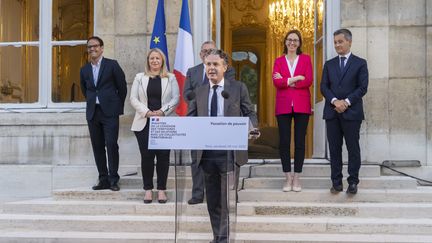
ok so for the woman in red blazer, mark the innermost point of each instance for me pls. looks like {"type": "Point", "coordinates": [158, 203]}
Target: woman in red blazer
{"type": "Point", "coordinates": [292, 77]}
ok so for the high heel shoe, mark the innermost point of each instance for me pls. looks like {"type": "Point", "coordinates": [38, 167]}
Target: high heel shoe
{"type": "Point", "coordinates": [146, 197]}
{"type": "Point", "coordinates": [163, 198]}
{"type": "Point", "coordinates": [288, 183]}
{"type": "Point", "coordinates": [296, 186]}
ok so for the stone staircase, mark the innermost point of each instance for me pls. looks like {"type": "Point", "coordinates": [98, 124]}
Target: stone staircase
{"type": "Point", "coordinates": [386, 209]}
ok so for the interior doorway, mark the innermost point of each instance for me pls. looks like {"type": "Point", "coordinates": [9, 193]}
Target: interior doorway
{"type": "Point", "coordinates": [247, 36]}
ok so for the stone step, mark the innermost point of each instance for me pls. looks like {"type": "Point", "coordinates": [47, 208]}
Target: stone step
{"type": "Point", "coordinates": [50, 206]}
{"type": "Point", "coordinates": [311, 168]}
{"type": "Point", "coordinates": [84, 193]}
{"type": "Point", "coordinates": [89, 237]}
{"type": "Point", "coordinates": [317, 169]}
{"type": "Point", "coordinates": [125, 171]}
{"type": "Point", "coordinates": [380, 210]}
{"type": "Point", "coordinates": [353, 209]}
{"type": "Point", "coordinates": [136, 182]}
{"type": "Point", "coordinates": [101, 223]}
{"type": "Point", "coordinates": [200, 224]}
{"type": "Point", "coordinates": [186, 171]}
{"type": "Point", "coordinates": [419, 195]}
{"type": "Point", "coordinates": [115, 237]}
{"type": "Point", "coordinates": [383, 182]}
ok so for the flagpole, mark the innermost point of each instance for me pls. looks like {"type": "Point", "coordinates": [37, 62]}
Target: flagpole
{"type": "Point", "coordinates": [218, 24]}
{"type": "Point", "coordinates": [158, 38]}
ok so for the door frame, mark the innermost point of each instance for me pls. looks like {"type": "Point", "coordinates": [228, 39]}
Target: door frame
{"type": "Point", "coordinates": [202, 26]}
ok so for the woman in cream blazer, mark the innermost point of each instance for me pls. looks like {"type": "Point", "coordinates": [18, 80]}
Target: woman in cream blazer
{"type": "Point", "coordinates": [154, 93]}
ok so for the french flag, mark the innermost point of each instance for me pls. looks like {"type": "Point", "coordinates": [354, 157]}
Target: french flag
{"type": "Point", "coordinates": [184, 58]}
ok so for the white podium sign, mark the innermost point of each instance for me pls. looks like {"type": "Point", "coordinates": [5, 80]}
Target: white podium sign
{"type": "Point", "coordinates": [202, 133]}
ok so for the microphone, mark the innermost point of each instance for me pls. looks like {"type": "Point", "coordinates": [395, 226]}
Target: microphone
{"type": "Point", "coordinates": [190, 96]}
{"type": "Point", "coordinates": [225, 94]}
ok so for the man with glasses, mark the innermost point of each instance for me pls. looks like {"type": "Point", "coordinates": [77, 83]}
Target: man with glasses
{"type": "Point", "coordinates": [196, 77]}
{"type": "Point", "coordinates": [104, 86]}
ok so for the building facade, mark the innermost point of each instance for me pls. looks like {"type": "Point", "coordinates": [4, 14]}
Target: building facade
{"type": "Point", "coordinates": [44, 135]}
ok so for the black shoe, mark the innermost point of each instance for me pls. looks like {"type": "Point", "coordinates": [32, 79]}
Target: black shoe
{"type": "Point", "coordinates": [115, 187]}
{"type": "Point", "coordinates": [162, 192]}
{"type": "Point", "coordinates": [336, 189]}
{"type": "Point", "coordinates": [193, 201]}
{"type": "Point", "coordinates": [147, 201]}
{"type": "Point", "coordinates": [352, 189]}
{"type": "Point", "coordinates": [101, 186]}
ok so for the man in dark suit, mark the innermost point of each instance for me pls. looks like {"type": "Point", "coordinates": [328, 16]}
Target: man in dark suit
{"type": "Point", "coordinates": [220, 97]}
{"type": "Point", "coordinates": [344, 82]}
{"type": "Point", "coordinates": [196, 77]}
{"type": "Point", "coordinates": [104, 86]}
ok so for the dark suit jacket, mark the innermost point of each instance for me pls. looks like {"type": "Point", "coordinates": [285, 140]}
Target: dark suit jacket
{"type": "Point", "coordinates": [237, 104]}
{"type": "Point", "coordinates": [194, 78]}
{"type": "Point", "coordinates": [110, 88]}
{"type": "Point", "coordinates": [352, 83]}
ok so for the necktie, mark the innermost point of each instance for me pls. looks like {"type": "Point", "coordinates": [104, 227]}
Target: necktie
{"type": "Point", "coordinates": [342, 63]}
{"type": "Point", "coordinates": [213, 104]}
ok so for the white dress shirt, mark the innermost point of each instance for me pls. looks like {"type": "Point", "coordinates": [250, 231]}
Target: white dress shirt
{"type": "Point", "coordinates": [220, 99]}
{"type": "Point", "coordinates": [95, 69]}
{"type": "Point", "coordinates": [345, 63]}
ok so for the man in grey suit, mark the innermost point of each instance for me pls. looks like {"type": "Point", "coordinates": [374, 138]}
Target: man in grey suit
{"type": "Point", "coordinates": [220, 97]}
{"type": "Point", "coordinates": [196, 77]}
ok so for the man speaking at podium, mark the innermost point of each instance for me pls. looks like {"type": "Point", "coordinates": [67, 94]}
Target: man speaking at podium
{"type": "Point", "coordinates": [220, 97]}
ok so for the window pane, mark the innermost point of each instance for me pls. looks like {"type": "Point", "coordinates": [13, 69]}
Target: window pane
{"type": "Point", "coordinates": [67, 61]}
{"type": "Point", "coordinates": [250, 77]}
{"type": "Point", "coordinates": [19, 20]}
{"type": "Point", "coordinates": [72, 19]}
{"type": "Point", "coordinates": [19, 74]}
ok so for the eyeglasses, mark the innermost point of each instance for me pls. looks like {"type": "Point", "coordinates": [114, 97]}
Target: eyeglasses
{"type": "Point", "coordinates": [93, 46]}
{"type": "Point", "coordinates": [292, 40]}
{"type": "Point", "coordinates": [206, 50]}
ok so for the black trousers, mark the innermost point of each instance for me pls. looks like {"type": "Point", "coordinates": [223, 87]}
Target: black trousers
{"type": "Point", "coordinates": [104, 132]}
{"type": "Point", "coordinates": [338, 129]}
{"type": "Point", "coordinates": [147, 161]}
{"type": "Point", "coordinates": [216, 165]}
{"type": "Point", "coordinates": [197, 178]}
{"type": "Point", "coordinates": [301, 121]}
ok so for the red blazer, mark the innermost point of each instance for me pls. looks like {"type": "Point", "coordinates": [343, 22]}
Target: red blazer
{"type": "Point", "coordinates": [298, 95]}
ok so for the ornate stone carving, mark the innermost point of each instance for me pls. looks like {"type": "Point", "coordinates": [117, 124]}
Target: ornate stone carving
{"type": "Point", "coordinates": [244, 5]}
{"type": "Point", "coordinates": [249, 18]}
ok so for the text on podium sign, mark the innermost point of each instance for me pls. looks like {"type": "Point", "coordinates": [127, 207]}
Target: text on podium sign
{"type": "Point", "coordinates": [199, 133]}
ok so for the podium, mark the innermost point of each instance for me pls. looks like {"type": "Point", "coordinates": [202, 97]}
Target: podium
{"type": "Point", "coordinates": [217, 144]}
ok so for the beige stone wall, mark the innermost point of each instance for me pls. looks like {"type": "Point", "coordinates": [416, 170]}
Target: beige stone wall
{"type": "Point", "coordinates": [126, 26]}
{"type": "Point", "coordinates": [428, 52]}
{"type": "Point", "coordinates": [53, 150]}
{"type": "Point", "coordinates": [395, 38]}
